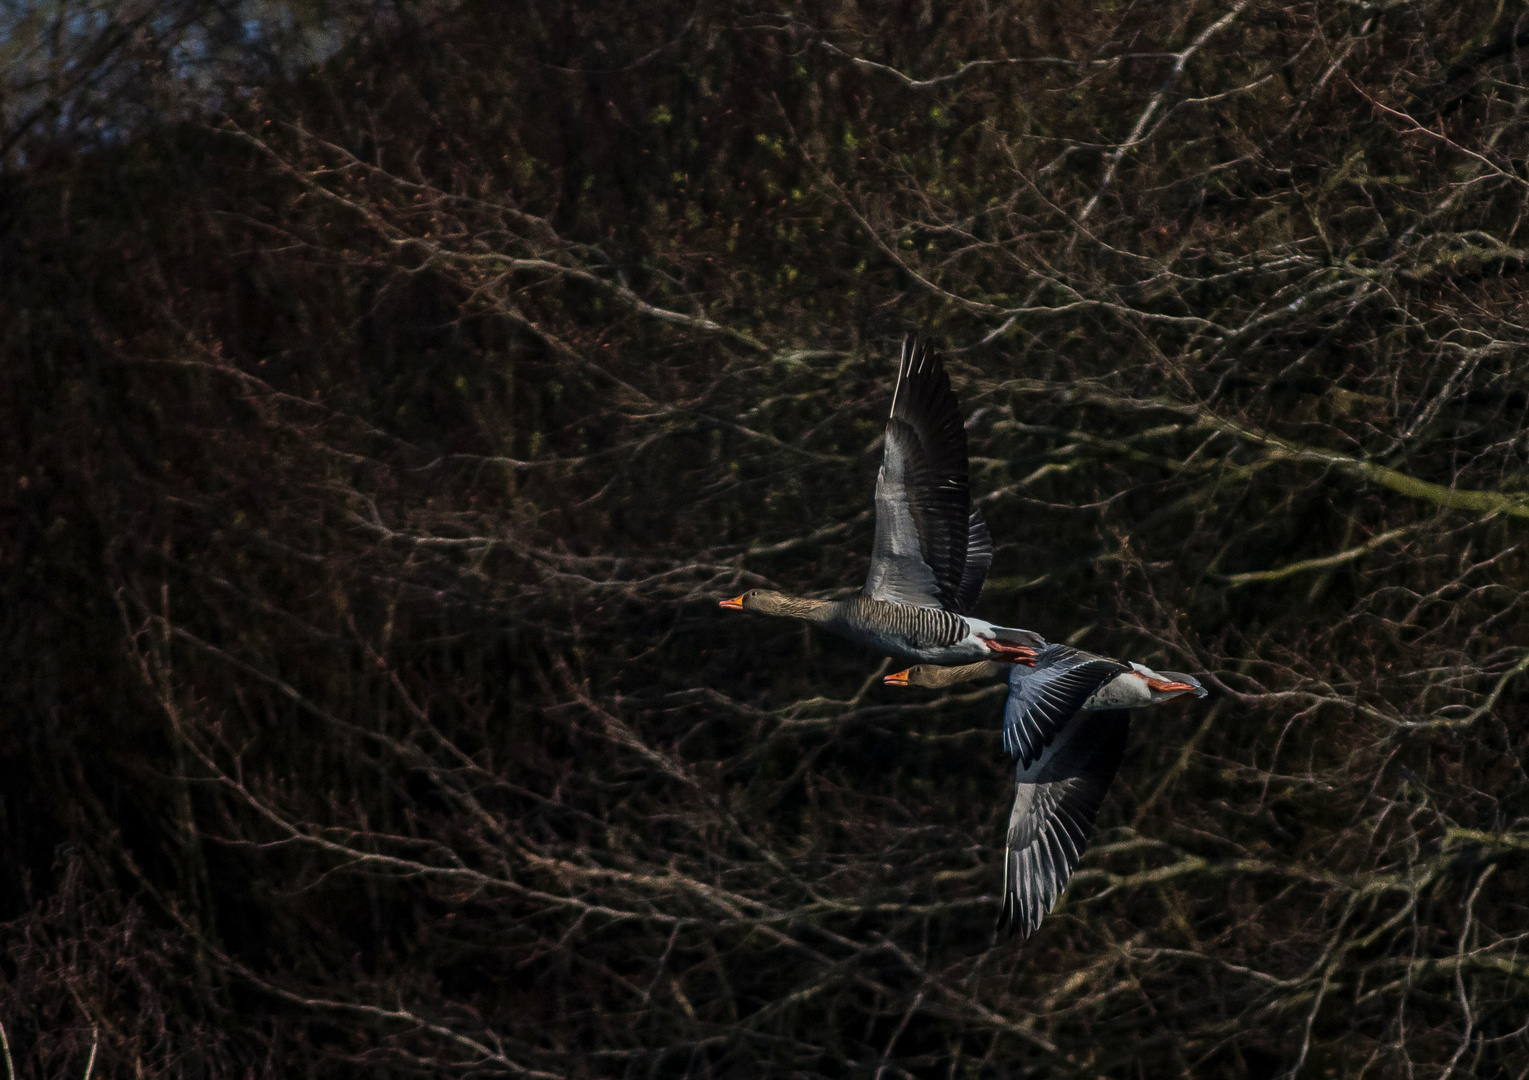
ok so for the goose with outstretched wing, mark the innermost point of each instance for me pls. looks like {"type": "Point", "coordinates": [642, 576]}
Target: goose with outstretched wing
{"type": "Point", "coordinates": [1065, 721]}
{"type": "Point", "coordinates": [932, 550]}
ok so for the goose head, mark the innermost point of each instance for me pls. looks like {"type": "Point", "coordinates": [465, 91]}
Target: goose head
{"type": "Point", "coordinates": [770, 602]}
{"type": "Point", "coordinates": [1169, 685]}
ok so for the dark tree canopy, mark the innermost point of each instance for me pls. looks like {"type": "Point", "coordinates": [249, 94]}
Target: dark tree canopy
{"type": "Point", "coordinates": [384, 410]}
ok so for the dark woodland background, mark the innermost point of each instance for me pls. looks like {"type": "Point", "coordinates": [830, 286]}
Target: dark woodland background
{"type": "Point", "coordinates": [390, 391]}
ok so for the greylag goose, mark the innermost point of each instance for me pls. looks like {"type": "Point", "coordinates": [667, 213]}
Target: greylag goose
{"type": "Point", "coordinates": [1063, 681]}
{"type": "Point", "coordinates": [932, 549]}
{"type": "Point", "coordinates": [1065, 721]}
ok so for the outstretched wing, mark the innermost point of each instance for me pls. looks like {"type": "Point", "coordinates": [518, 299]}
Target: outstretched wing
{"type": "Point", "coordinates": [1044, 697]}
{"type": "Point", "coordinates": [979, 556]}
{"type": "Point", "coordinates": [1056, 801]}
{"type": "Point", "coordinates": [923, 500]}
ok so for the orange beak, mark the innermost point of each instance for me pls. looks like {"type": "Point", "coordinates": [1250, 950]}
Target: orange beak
{"type": "Point", "coordinates": [899, 678]}
{"type": "Point", "coordinates": [735, 604]}
{"type": "Point", "coordinates": [1163, 686]}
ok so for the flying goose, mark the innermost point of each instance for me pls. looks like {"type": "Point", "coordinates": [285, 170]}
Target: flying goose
{"type": "Point", "coordinates": [1062, 681]}
{"type": "Point", "coordinates": [1065, 721]}
{"type": "Point", "coordinates": [932, 549]}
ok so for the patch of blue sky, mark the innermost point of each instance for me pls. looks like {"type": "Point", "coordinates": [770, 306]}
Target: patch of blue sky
{"type": "Point", "coordinates": [91, 72]}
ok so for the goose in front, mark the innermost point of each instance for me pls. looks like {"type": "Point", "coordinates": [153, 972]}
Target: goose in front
{"type": "Point", "coordinates": [932, 550]}
{"type": "Point", "coordinates": [1065, 722]}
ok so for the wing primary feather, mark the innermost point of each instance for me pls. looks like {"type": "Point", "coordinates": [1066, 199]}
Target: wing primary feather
{"type": "Point", "coordinates": [924, 521]}
{"type": "Point", "coordinates": [979, 558]}
{"type": "Point", "coordinates": [1056, 803]}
